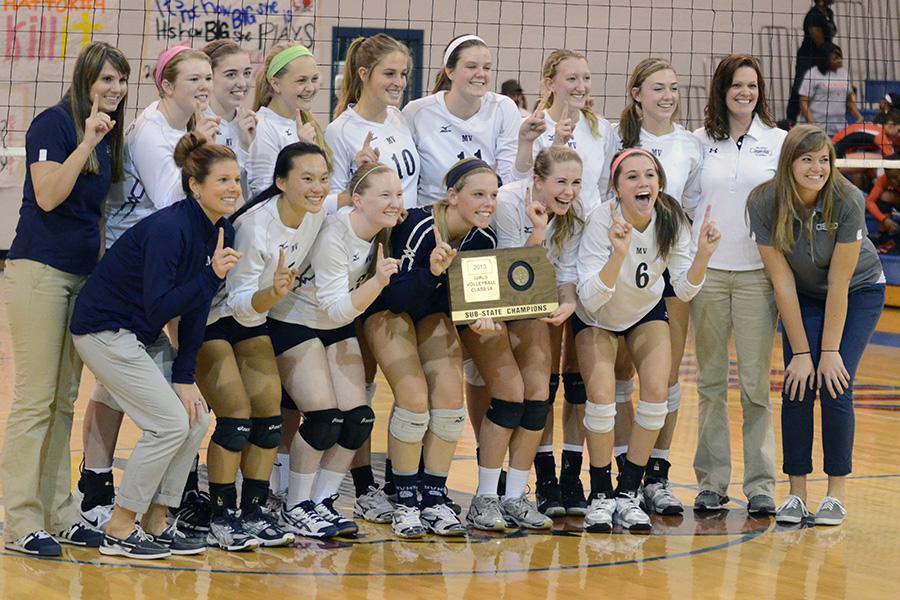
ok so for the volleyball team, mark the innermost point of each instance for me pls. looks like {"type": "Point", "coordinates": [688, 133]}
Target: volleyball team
{"type": "Point", "coordinates": [258, 265]}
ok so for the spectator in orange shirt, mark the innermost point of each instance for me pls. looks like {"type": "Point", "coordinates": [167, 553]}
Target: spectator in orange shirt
{"type": "Point", "coordinates": [884, 199]}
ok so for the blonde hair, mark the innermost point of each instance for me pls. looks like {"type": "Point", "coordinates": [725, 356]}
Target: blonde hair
{"type": "Point", "coordinates": [439, 208]}
{"type": "Point", "coordinates": [359, 183]}
{"type": "Point", "coordinates": [171, 68]}
{"type": "Point", "coordinates": [568, 224]}
{"type": "Point", "coordinates": [364, 53]}
{"type": "Point", "coordinates": [551, 66]}
{"type": "Point", "coordinates": [631, 119]}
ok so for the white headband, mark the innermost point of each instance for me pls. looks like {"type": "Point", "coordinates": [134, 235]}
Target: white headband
{"type": "Point", "coordinates": [457, 43]}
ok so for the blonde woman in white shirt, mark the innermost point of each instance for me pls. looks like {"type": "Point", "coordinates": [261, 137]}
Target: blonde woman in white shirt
{"type": "Point", "coordinates": [741, 150]}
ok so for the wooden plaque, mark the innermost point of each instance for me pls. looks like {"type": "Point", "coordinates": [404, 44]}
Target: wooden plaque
{"type": "Point", "coordinates": [505, 284]}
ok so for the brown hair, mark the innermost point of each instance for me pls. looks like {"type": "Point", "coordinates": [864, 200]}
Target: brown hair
{"type": "Point", "coordinates": [364, 53]}
{"type": "Point", "coordinates": [549, 72]}
{"type": "Point", "coordinates": [359, 183]}
{"type": "Point", "coordinates": [442, 81]}
{"type": "Point", "coordinates": [716, 112]}
{"type": "Point", "coordinates": [195, 157]}
{"type": "Point", "coordinates": [219, 49]}
{"type": "Point", "coordinates": [170, 71]}
{"type": "Point", "coordinates": [631, 119]}
{"type": "Point", "coordinates": [568, 224]}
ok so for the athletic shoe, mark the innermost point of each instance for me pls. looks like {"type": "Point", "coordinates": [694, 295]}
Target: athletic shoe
{"type": "Point", "coordinates": [484, 513]}
{"type": "Point", "coordinates": [830, 512]}
{"type": "Point", "coordinates": [226, 531]}
{"type": "Point", "coordinates": [275, 501]}
{"type": "Point", "coordinates": [98, 492]}
{"type": "Point", "coordinates": [523, 513]}
{"type": "Point", "coordinates": [98, 516]}
{"type": "Point", "coordinates": [326, 510]}
{"type": "Point", "coordinates": [80, 534]}
{"type": "Point", "coordinates": [39, 543]}
{"type": "Point", "coordinates": [442, 520]}
{"type": "Point", "coordinates": [260, 524]}
{"type": "Point", "coordinates": [138, 545]}
{"type": "Point", "coordinates": [303, 519]}
{"type": "Point", "coordinates": [628, 513]}
{"type": "Point", "coordinates": [572, 492]}
{"type": "Point", "coordinates": [194, 512]}
{"type": "Point", "coordinates": [454, 506]}
{"type": "Point", "coordinates": [792, 511]}
{"type": "Point", "coordinates": [708, 500]}
{"type": "Point", "coordinates": [407, 522]}
{"type": "Point", "coordinates": [599, 516]}
{"type": "Point", "coordinates": [659, 499]}
{"type": "Point", "coordinates": [761, 505]}
{"type": "Point", "coordinates": [178, 542]}
{"type": "Point", "coordinates": [549, 499]}
{"type": "Point", "coordinates": [374, 506]}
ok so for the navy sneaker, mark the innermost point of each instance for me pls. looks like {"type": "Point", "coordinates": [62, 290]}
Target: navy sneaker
{"type": "Point", "coordinates": [138, 545]}
{"type": "Point", "coordinates": [178, 542]}
{"type": "Point", "coordinates": [80, 534]}
{"type": "Point", "coordinates": [39, 543]}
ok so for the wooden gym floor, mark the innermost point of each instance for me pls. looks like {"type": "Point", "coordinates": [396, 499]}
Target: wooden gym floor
{"type": "Point", "coordinates": [725, 556]}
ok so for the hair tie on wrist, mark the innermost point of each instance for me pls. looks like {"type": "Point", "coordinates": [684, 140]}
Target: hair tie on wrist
{"type": "Point", "coordinates": [799, 353]}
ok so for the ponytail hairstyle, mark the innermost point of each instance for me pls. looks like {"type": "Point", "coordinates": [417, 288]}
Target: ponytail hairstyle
{"type": "Point", "coordinates": [442, 80]}
{"type": "Point", "coordinates": [631, 119]}
{"type": "Point", "coordinates": [364, 53]}
{"type": "Point", "coordinates": [568, 224]}
{"type": "Point", "coordinates": [670, 217]}
{"type": "Point", "coordinates": [284, 164]}
{"type": "Point", "coordinates": [359, 183]}
{"type": "Point", "coordinates": [78, 98]}
{"type": "Point", "coordinates": [455, 179]}
{"type": "Point", "coordinates": [195, 157]}
{"type": "Point", "coordinates": [715, 115]}
{"type": "Point", "coordinates": [551, 66]}
{"type": "Point", "coordinates": [167, 66]}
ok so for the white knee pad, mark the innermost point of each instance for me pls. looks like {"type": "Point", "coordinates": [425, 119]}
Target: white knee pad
{"type": "Point", "coordinates": [408, 426]}
{"type": "Point", "coordinates": [599, 418]}
{"type": "Point", "coordinates": [651, 415]}
{"type": "Point", "coordinates": [471, 374]}
{"type": "Point", "coordinates": [447, 423]}
{"type": "Point", "coordinates": [624, 390]}
{"type": "Point", "coordinates": [673, 403]}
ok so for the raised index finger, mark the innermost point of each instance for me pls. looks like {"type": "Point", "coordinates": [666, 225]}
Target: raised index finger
{"type": "Point", "coordinates": [380, 252]}
{"type": "Point", "coordinates": [96, 106]}
{"type": "Point", "coordinates": [280, 259]}
{"type": "Point", "coordinates": [707, 214]}
{"type": "Point", "coordinates": [368, 141]}
{"type": "Point", "coordinates": [220, 244]}
{"type": "Point", "coordinates": [438, 240]}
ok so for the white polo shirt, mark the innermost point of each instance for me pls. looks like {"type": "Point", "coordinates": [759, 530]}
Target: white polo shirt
{"type": "Point", "coordinates": [727, 177]}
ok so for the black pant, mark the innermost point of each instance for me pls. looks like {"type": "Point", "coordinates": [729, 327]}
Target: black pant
{"type": "Point", "coordinates": [804, 64]}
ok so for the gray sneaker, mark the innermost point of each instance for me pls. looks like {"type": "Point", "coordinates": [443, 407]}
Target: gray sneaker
{"type": "Point", "coordinates": [524, 513]}
{"type": "Point", "coordinates": [792, 511]}
{"type": "Point", "coordinates": [708, 500]}
{"type": "Point", "coordinates": [659, 499]}
{"type": "Point", "coordinates": [830, 512]}
{"type": "Point", "coordinates": [761, 505]}
{"type": "Point", "coordinates": [485, 513]}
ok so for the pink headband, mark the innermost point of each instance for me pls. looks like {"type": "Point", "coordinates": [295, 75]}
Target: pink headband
{"type": "Point", "coordinates": [625, 154]}
{"type": "Point", "coordinates": [164, 58]}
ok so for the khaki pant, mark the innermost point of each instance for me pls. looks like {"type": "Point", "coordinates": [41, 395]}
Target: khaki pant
{"type": "Point", "coordinates": [161, 460]}
{"type": "Point", "coordinates": [743, 302]}
{"type": "Point", "coordinates": [36, 467]}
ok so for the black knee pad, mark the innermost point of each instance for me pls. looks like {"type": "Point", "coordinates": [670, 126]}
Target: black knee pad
{"type": "Point", "coordinates": [573, 388]}
{"type": "Point", "coordinates": [357, 428]}
{"type": "Point", "coordinates": [321, 428]}
{"type": "Point", "coordinates": [232, 434]}
{"type": "Point", "coordinates": [505, 414]}
{"type": "Point", "coordinates": [534, 417]}
{"type": "Point", "coordinates": [554, 387]}
{"type": "Point", "coordinates": [265, 432]}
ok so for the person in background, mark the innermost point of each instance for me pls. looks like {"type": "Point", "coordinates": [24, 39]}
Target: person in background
{"type": "Point", "coordinates": [513, 89]}
{"type": "Point", "coordinates": [818, 29]}
{"type": "Point", "coordinates": [825, 94]}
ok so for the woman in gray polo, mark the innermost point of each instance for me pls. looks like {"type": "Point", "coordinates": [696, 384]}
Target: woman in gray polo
{"type": "Point", "coordinates": [809, 225]}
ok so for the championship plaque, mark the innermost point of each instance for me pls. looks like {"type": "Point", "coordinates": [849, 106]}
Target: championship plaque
{"type": "Point", "coordinates": [506, 284]}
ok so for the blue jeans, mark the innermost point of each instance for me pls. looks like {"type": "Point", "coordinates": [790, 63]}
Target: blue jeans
{"type": "Point", "coordinates": [863, 310]}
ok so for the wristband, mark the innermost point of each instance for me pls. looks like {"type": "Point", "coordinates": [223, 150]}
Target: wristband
{"type": "Point", "coordinates": [799, 353]}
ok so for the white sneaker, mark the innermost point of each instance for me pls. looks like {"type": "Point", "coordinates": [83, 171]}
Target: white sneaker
{"type": "Point", "coordinates": [442, 520]}
{"type": "Point", "coordinates": [658, 498]}
{"type": "Point", "coordinates": [374, 506]}
{"type": "Point", "coordinates": [599, 516]}
{"type": "Point", "coordinates": [407, 522]}
{"type": "Point", "coordinates": [629, 514]}
{"type": "Point", "coordinates": [303, 519]}
{"type": "Point", "coordinates": [98, 516]}
{"type": "Point", "coordinates": [484, 513]}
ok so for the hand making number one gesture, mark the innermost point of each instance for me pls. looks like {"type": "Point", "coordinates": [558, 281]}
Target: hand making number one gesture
{"type": "Point", "coordinates": [442, 255]}
{"type": "Point", "coordinates": [284, 277]}
{"type": "Point", "coordinates": [565, 128]}
{"type": "Point", "coordinates": [385, 267]}
{"type": "Point", "coordinates": [534, 125]}
{"type": "Point", "coordinates": [367, 154]}
{"type": "Point", "coordinates": [619, 231]}
{"type": "Point", "coordinates": [306, 132]}
{"type": "Point", "coordinates": [224, 259]}
{"type": "Point", "coordinates": [710, 236]}
{"type": "Point", "coordinates": [97, 125]}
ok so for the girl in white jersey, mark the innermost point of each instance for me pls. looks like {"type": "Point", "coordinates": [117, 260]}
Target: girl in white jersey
{"type": "Point", "coordinates": [623, 253]}
{"type": "Point", "coordinates": [286, 86]}
{"type": "Point", "coordinates": [314, 337]}
{"type": "Point", "coordinates": [649, 121]}
{"type": "Point", "coordinates": [232, 78]}
{"type": "Point", "coordinates": [152, 181]}
{"type": "Point", "coordinates": [462, 118]}
{"type": "Point", "coordinates": [368, 125]}
{"type": "Point", "coordinates": [236, 369]}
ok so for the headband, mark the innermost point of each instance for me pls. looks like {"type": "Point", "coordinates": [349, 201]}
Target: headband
{"type": "Point", "coordinates": [457, 43]}
{"type": "Point", "coordinates": [461, 168]}
{"type": "Point", "coordinates": [164, 57]}
{"type": "Point", "coordinates": [625, 154]}
{"type": "Point", "coordinates": [280, 60]}
{"type": "Point", "coordinates": [379, 168]}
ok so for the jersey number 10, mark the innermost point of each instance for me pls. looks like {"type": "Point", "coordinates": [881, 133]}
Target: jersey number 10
{"type": "Point", "coordinates": [409, 162]}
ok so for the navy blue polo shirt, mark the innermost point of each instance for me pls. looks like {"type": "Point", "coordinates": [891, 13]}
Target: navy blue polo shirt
{"type": "Point", "coordinates": [158, 270]}
{"type": "Point", "coordinates": [68, 237]}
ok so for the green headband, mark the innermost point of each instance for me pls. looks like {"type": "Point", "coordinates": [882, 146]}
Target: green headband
{"type": "Point", "coordinates": [283, 58]}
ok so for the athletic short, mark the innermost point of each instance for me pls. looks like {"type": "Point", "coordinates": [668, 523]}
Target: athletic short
{"type": "Point", "coordinates": [668, 290]}
{"type": "Point", "coordinates": [228, 329]}
{"type": "Point", "coordinates": [657, 313]}
{"type": "Point", "coordinates": [287, 335]}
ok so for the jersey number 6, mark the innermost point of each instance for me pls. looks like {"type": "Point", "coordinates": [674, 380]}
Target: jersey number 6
{"type": "Point", "coordinates": [641, 279]}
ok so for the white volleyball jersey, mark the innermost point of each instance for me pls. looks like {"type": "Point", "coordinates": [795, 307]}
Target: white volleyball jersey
{"type": "Point", "coordinates": [229, 135]}
{"type": "Point", "coordinates": [273, 132]}
{"type": "Point", "coordinates": [442, 138]}
{"type": "Point", "coordinates": [261, 235]}
{"type": "Point", "coordinates": [640, 285]}
{"type": "Point", "coordinates": [596, 152]}
{"type": "Point", "coordinates": [513, 228]}
{"type": "Point", "coordinates": [393, 139]}
{"type": "Point", "coordinates": [152, 179]}
{"type": "Point", "coordinates": [339, 262]}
